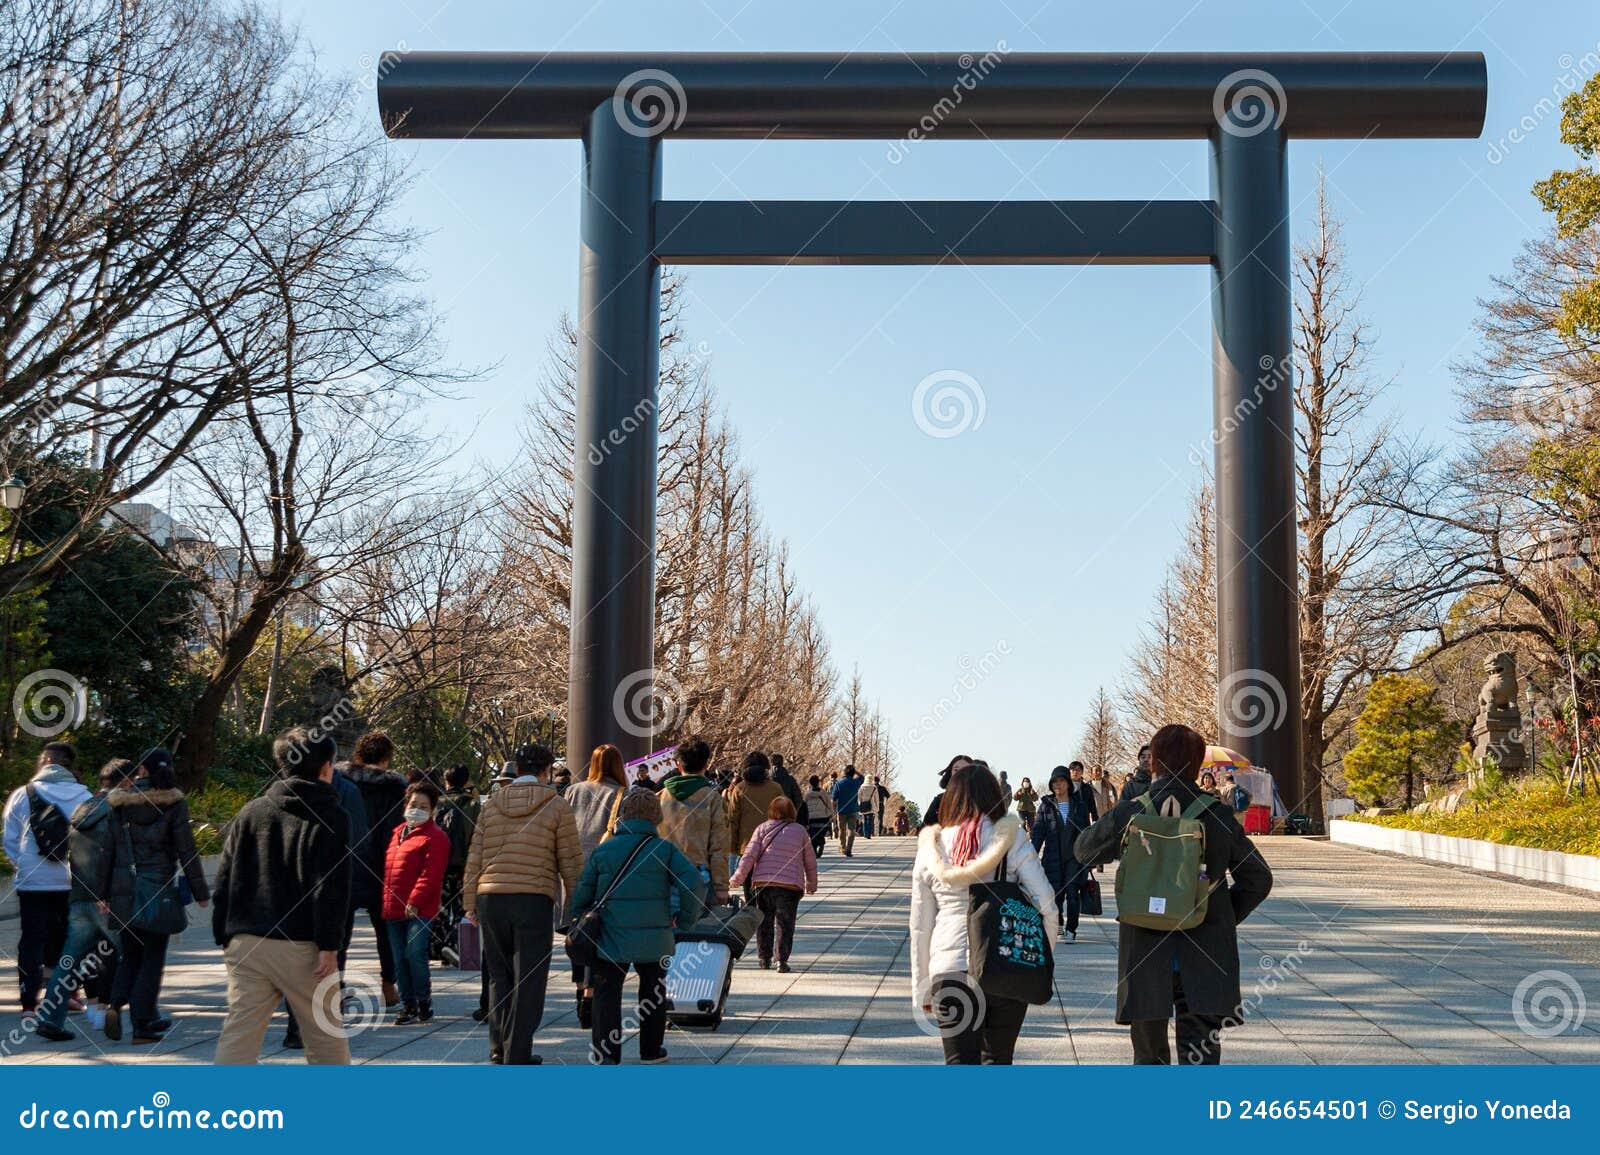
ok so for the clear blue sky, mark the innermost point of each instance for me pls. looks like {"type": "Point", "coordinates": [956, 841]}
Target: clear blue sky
{"type": "Point", "coordinates": [1040, 536]}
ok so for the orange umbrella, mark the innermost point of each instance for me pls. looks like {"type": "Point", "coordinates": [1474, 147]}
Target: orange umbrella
{"type": "Point", "coordinates": [1222, 758]}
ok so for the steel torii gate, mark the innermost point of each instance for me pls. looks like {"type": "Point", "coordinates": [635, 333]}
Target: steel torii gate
{"type": "Point", "coordinates": [1247, 106]}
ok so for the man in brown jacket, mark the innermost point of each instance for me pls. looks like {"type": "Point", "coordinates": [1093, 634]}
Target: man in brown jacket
{"type": "Point", "coordinates": [524, 856]}
{"type": "Point", "coordinates": [693, 818]}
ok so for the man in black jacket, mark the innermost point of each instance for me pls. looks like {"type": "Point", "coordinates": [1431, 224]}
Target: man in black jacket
{"type": "Point", "coordinates": [1193, 974]}
{"type": "Point", "coordinates": [383, 795]}
{"type": "Point", "coordinates": [1139, 781]}
{"type": "Point", "coordinates": [1064, 813]}
{"type": "Point", "coordinates": [281, 897]}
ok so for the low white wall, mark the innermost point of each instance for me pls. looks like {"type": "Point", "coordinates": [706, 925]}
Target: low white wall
{"type": "Point", "coordinates": [1580, 871]}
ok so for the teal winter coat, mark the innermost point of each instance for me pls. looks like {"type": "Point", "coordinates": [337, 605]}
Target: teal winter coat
{"type": "Point", "coordinates": [638, 916]}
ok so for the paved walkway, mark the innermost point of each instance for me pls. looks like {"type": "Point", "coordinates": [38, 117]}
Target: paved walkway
{"type": "Point", "coordinates": [1356, 958]}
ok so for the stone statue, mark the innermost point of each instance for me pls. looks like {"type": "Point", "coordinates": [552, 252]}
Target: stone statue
{"type": "Point", "coordinates": [1497, 732]}
{"type": "Point", "coordinates": [330, 708]}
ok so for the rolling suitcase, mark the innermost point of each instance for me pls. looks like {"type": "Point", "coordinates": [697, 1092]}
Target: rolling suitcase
{"type": "Point", "coordinates": [697, 983]}
{"type": "Point", "coordinates": [468, 947]}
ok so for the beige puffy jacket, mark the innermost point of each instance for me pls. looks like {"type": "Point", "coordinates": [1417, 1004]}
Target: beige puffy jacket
{"type": "Point", "coordinates": [698, 826]}
{"type": "Point", "coordinates": [526, 842]}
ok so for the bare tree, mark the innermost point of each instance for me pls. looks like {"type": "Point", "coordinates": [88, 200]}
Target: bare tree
{"type": "Point", "coordinates": [1350, 624]}
{"type": "Point", "coordinates": [1103, 745]}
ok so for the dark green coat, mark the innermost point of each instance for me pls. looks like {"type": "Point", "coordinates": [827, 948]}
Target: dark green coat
{"type": "Point", "coordinates": [1207, 957]}
{"type": "Point", "coordinates": [638, 915]}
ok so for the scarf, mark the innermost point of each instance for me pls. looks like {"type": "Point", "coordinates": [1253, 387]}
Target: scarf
{"type": "Point", "coordinates": [967, 842]}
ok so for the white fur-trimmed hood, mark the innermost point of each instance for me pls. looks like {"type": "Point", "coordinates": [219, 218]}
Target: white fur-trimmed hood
{"type": "Point", "coordinates": [980, 869]}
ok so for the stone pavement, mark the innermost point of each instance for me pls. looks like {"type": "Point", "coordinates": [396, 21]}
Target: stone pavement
{"type": "Point", "coordinates": [1356, 958]}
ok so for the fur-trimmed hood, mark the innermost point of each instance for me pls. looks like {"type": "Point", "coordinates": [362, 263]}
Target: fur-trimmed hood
{"type": "Point", "coordinates": [1002, 836]}
{"type": "Point", "coordinates": [363, 775]}
{"type": "Point", "coordinates": [135, 796]}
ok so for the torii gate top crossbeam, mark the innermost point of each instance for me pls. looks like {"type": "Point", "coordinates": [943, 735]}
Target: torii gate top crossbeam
{"type": "Point", "coordinates": [1042, 96]}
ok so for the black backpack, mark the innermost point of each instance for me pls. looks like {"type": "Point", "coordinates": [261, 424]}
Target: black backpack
{"type": "Point", "coordinates": [52, 830]}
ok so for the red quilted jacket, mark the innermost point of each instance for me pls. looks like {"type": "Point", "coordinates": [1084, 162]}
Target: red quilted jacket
{"type": "Point", "coordinates": [413, 870]}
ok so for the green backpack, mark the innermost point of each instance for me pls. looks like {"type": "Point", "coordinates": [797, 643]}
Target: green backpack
{"type": "Point", "coordinates": [1161, 881]}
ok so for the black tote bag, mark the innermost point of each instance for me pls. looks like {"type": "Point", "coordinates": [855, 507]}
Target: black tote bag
{"type": "Point", "coordinates": [1008, 952]}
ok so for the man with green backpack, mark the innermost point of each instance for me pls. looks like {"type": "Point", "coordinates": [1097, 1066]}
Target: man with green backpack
{"type": "Point", "coordinates": [1177, 947]}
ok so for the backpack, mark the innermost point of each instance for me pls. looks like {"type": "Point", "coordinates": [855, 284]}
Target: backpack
{"type": "Point", "coordinates": [52, 830]}
{"type": "Point", "coordinates": [1162, 883]}
{"type": "Point", "coordinates": [1240, 799]}
{"type": "Point", "coordinates": [457, 822]}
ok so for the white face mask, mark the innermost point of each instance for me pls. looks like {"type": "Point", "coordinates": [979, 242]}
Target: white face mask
{"type": "Point", "coordinates": [416, 816]}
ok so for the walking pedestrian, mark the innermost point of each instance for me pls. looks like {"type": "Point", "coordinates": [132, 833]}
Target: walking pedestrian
{"type": "Point", "coordinates": [1026, 799]}
{"type": "Point", "coordinates": [866, 803]}
{"type": "Point", "coordinates": [1105, 791]}
{"type": "Point", "coordinates": [930, 816]}
{"type": "Point", "coordinates": [594, 801]}
{"type": "Point", "coordinates": [748, 800]}
{"type": "Point", "coordinates": [383, 797]}
{"type": "Point", "coordinates": [1069, 810]}
{"type": "Point", "coordinates": [413, 889]}
{"type": "Point", "coordinates": [792, 790]}
{"type": "Point", "coordinates": [880, 799]}
{"type": "Point", "coordinates": [693, 817]}
{"type": "Point", "coordinates": [38, 833]}
{"type": "Point", "coordinates": [819, 814]}
{"type": "Point", "coordinates": [457, 816]}
{"type": "Point", "coordinates": [639, 875]}
{"type": "Point", "coordinates": [1139, 781]}
{"type": "Point", "coordinates": [1005, 790]}
{"type": "Point", "coordinates": [282, 898]}
{"type": "Point", "coordinates": [975, 839]}
{"type": "Point", "coordinates": [90, 952]}
{"type": "Point", "coordinates": [154, 843]}
{"type": "Point", "coordinates": [1191, 975]}
{"type": "Point", "coordinates": [847, 806]}
{"type": "Point", "coordinates": [524, 855]}
{"type": "Point", "coordinates": [781, 865]}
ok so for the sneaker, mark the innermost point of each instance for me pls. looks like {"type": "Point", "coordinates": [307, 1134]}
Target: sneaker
{"type": "Point", "coordinates": [783, 968]}
{"type": "Point", "coordinates": [160, 1026]}
{"type": "Point", "coordinates": [1072, 936]}
{"type": "Point", "coordinates": [407, 1015]}
{"type": "Point", "coordinates": [766, 964]}
{"type": "Point", "coordinates": [654, 1060]}
{"type": "Point", "coordinates": [113, 1027]}
{"type": "Point", "coordinates": [146, 1033]}
{"type": "Point", "coordinates": [425, 1010]}
{"type": "Point", "coordinates": [51, 1033]}
{"type": "Point", "coordinates": [480, 1014]}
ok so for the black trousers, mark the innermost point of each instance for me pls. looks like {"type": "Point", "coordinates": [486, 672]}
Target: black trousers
{"type": "Point", "coordinates": [971, 1038]}
{"type": "Point", "coordinates": [139, 973]}
{"type": "Point", "coordinates": [1069, 895]}
{"type": "Point", "coordinates": [1199, 1036]}
{"type": "Point", "coordinates": [779, 907]}
{"type": "Point", "coordinates": [517, 932]}
{"type": "Point", "coordinates": [606, 1030]}
{"type": "Point", "coordinates": [818, 829]}
{"type": "Point", "coordinates": [41, 935]}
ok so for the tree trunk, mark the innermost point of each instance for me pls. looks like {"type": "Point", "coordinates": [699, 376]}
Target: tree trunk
{"type": "Point", "coordinates": [269, 699]}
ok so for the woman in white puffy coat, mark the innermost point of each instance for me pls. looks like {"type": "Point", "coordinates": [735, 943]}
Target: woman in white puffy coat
{"type": "Point", "coordinates": [974, 835]}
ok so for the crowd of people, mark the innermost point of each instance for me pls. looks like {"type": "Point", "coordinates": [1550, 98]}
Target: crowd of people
{"type": "Point", "coordinates": [442, 871]}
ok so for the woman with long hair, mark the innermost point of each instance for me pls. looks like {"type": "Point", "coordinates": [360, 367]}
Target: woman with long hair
{"type": "Point", "coordinates": [971, 842]}
{"type": "Point", "coordinates": [595, 800]}
{"type": "Point", "coordinates": [596, 803]}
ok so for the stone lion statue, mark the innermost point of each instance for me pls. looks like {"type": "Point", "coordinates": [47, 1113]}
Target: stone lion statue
{"type": "Point", "coordinates": [1500, 689]}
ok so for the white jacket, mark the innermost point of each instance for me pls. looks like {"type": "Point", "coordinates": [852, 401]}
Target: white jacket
{"type": "Point", "coordinates": [940, 900]}
{"type": "Point", "coordinates": [57, 786]}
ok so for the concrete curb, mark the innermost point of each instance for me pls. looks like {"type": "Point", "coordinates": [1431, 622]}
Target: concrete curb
{"type": "Point", "coordinates": [1552, 867]}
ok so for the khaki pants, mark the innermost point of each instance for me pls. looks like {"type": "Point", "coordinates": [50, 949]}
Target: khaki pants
{"type": "Point", "coordinates": [847, 833]}
{"type": "Point", "coordinates": [262, 972]}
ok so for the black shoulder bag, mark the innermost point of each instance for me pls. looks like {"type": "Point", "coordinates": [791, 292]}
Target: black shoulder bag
{"type": "Point", "coordinates": [1008, 952]}
{"type": "Point", "coordinates": [583, 940]}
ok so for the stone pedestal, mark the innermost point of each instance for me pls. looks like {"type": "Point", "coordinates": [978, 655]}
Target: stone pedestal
{"type": "Point", "coordinates": [1497, 734]}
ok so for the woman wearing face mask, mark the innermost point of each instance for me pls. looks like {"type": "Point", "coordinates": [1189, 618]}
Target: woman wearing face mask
{"type": "Point", "coordinates": [413, 884]}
